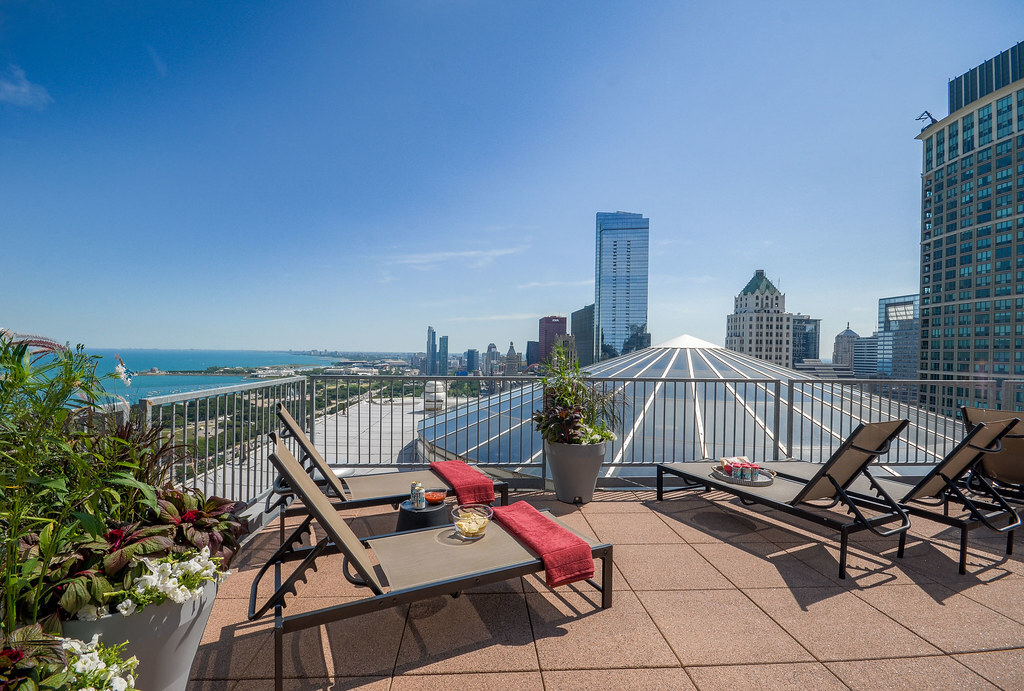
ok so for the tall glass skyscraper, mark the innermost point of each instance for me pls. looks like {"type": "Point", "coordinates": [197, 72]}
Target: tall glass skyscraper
{"type": "Point", "coordinates": [972, 241]}
{"type": "Point", "coordinates": [620, 284]}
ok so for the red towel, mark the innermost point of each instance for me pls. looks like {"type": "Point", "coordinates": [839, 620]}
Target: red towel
{"type": "Point", "coordinates": [470, 485]}
{"type": "Point", "coordinates": [567, 558]}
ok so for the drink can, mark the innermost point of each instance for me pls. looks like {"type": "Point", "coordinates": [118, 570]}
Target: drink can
{"type": "Point", "coordinates": [419, 497]}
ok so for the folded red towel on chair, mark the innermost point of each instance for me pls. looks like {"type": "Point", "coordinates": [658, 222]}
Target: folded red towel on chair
{"type": "Point", "coordinates": [470, 485]}
{"type": "Point", "coordinates": [567, 557]}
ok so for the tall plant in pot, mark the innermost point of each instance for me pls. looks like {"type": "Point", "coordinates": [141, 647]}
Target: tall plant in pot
{"type": "Point", "coordinates": [575, 423]}
{"type": "Point", "coordinates": [90, 533]}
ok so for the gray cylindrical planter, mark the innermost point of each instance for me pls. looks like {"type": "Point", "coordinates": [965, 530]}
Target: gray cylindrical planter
{"type": "Point", "coordinates": [574, 469]}
{"type": "Point", "coordinates": [165, 638]}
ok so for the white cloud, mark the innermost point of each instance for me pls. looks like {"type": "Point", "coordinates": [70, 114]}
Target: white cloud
{"type": "Point", "coordinates": [19, 91]}
{"type": "Point", "coordinates": [555, 284]}
{"type": "Point", "coordinates": [474, 258]}
{"type": "Point", "coordinates": [160, 65]}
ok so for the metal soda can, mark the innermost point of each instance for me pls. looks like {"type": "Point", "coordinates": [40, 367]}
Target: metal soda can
{"type": "Point", "coordinates": [419, 497]}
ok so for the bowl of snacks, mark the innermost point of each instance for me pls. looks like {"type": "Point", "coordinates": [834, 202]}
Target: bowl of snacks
{"type": "Point", "coordinates": [471, 520]}
{"type": "Point", "coordinates": [435, 495]}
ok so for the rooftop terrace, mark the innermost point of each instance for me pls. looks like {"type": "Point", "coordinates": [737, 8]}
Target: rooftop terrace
{"type": "Point", "coordinates": [708, 594]}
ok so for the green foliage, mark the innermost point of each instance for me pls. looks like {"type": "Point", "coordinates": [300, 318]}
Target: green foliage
{"type": "Point", "coordinates": [575, 411]}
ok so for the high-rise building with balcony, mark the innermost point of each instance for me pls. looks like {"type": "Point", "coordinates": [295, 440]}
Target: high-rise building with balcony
{"type": "Point", "coordinates": [620, 284]}
{"type": "Point", "coordinates": [442, 356]}
{"type": "Point", "coordinates": [550, 328]}
{"type": "Point", "coordinates": [430, 362]}
{"type": "Point", "coordinates": [899, 328]}
{"type": "Point", "coordinates": [760, 325]}
{"type": "Point", "coordinates": [972, 238]}
{"type": "Point", "coordinates": [806, 338]}
{"type": "Point", "coordinates": [582, 326]}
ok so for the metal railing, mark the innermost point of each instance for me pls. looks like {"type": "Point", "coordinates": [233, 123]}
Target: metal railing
{"type": "Point", "coordinates": [225, 431]}
{"type": "Point", "coordinates": [405, 421]}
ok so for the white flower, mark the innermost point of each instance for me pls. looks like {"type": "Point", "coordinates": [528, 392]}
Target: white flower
{"type": "Point", "coordinates": [126, 608]}
{"type": "Point", "coordinates": [118, 684]}
{"type": "Point", "coordinates": [89, 662]}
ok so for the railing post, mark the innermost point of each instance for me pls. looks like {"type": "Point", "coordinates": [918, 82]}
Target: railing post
{"type": "Point", "coordinates": [789, 420]}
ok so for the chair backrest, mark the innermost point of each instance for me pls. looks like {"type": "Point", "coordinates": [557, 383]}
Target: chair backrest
{"type": "Point", "coordinates": [1006, 465]}
{"type": "Point", "coordinates": [306, 444]}
{"type": "Point", "coordinates": [958, 461]}
{"type": "Point", "coordinates": [320, 508]}
{"type": "Point", "coordinates": [869, 441]}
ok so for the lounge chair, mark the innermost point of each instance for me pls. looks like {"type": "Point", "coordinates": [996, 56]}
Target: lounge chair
{"type": "Point", "coordinates": [1005, 468]}
{"type": "Point", "coordinates": [828, 483]}
{"type": "Point", "coordinates": [930, 496]}
{"type": "Point", "coordinates": [416, 565]}
{"type": "Point", "coordinates": [356, 491]}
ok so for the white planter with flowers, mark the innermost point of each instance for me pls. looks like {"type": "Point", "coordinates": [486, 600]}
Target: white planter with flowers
{"type": "Point", "coordinates": [160, 618]}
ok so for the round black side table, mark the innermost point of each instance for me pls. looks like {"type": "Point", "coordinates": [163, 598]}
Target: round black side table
{"type": "Point", "coordinates": [434, 515]}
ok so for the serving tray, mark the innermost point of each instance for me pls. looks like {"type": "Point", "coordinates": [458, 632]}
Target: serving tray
{"type": "Point", "coordinates": [764, 477]}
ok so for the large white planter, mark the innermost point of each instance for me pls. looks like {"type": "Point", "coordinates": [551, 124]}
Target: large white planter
{"type": "Point", "coordinates": [165, 638]}
{"type": "Point", "coordinates": [574, 469]}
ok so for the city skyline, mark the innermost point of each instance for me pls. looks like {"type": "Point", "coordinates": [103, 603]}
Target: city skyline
{"type": "Point", "coordinates": [192, 175]}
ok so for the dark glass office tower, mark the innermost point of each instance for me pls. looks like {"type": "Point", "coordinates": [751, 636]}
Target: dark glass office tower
{"type": "Point", "coordinates": [620, 284]}
{"type": "Point", "coordinates": [972, 241]}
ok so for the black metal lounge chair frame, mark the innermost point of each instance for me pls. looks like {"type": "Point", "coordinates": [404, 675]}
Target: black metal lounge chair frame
{"type": "Point", "coordinates": [314, 464]}
{"type": "Point", "coordinates": [1008, 490]}
{"type": "Point", "coordinates": [885, 505]}
{"type": "Point", "coordinates": [291, 551]}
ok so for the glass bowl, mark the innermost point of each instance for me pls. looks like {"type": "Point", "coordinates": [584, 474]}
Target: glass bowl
{"type": "Point", "coordinates": [471, 520]}
{"type": "Point", "coordinates": [435, 495]}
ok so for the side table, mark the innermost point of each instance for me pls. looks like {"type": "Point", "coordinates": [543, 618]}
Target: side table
{"type": "Point", "coordinates": [434, 515]}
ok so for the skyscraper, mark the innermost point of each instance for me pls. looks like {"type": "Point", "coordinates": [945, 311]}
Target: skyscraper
{"type": "Point", "coordinates": [842, 352]}
{"type": "Point", "coordinates": [442, 356]}
{"type": "Point", "coordinates": [430, 363]}
{"type": "Point", "coordinates": [550, 327]}
{"type": "Point", "coordinates": [972, 233]}
{"type": "Point", "coordinates": [620, 284]}
{"type": "Point", "coordinates": [898, 333]}
{"type": "Point", "coordinates": [760, 325]}
{"type": "Point", "coordinates": [583, 331]}
{"type": "Point", "coordinates": [806, 338]}
{"type": "Point", "coordinates": [472, 360]}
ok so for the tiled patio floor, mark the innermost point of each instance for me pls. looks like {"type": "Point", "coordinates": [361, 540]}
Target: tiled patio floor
{"type": "Point", "coordinates": [708, 595]}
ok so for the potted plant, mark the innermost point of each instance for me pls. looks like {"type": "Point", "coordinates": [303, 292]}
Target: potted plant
{"type": "Point", "coordinates": [92, 534]}
{"type": "Point", "coordinates": [575, 424]}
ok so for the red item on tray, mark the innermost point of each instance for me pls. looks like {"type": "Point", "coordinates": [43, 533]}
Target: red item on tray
{"type": "Point", "coordinates": [567, 557]}
{"type": "Point", "coordinates": [470, 485]}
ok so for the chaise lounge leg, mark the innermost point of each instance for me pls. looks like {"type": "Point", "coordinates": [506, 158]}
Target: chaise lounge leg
{"type": "Point", "coordinates": [903, 545]}
{"type": "Point", "coordinates": [963, 551]}
{"type": "Point", "coordinates": [606, 580]}
{"type": "Point", "coordinates": [661, 483]}
{"type": "Point", "coordinates": [1009, 542]}
{"type": "Point", "coordinates": [844, 544]}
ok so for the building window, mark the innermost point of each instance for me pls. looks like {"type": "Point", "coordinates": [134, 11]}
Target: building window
{"type": "Point", "coordinates": [984, 126]}
{"type": "Point", "coordinates": [968, 133]}
{"type": "Point", "coordinates": [1004, 117]}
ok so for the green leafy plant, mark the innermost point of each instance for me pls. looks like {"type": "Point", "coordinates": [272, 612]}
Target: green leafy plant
{"type": "Point", "coordinates": [575, 411]}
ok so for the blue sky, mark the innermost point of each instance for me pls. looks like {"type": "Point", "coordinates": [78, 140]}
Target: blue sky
{"type": "Point", "coordinates": [342, 175]}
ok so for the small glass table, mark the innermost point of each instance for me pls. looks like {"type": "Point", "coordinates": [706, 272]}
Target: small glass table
{"type": "Point", "coordinates": [434, 515]}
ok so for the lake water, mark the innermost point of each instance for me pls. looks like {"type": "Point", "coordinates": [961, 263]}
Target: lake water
{"type": "Point", "coordinates": [148, 386]}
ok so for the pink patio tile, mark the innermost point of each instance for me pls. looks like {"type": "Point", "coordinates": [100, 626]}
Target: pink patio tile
{"type": "Point", "coordinates": [710, 524]}
{"type": "Point", "coordinates": [1004, 668]}
{"type": "Point", "coordinates": [667, 567]}
{"type": "Point", "coordinates": [834, 625]}
{"type": "Point", "coordinates": [940, 561]}
{"type": "Point", "coordinates": [719, 627]}
{"type": "Point", "coordinates": [527, 681]}
{"type": "Point", "coordinates": [669, 679]}
{"type": "Point", "coordinates": [1005, 596]}
{"type": "Point", "coordinates": [631, 529]}
{"type": "Point", "coordinates": [951, 622]}
{"type": "Point", "coordinates": [907, 673]}
{"type": "Point", "coordinates": [572, 633]}
{"type": "Point", "coordinates": [797, 676]}
{"type": "Point", "coordinates": [613, 502]}
{"type": "Point", "coordinates": [865, 566]}
{"type": "Point", "coordinates": [471, 633]}
{"type": "Point", "coordinates": [760, 564]}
